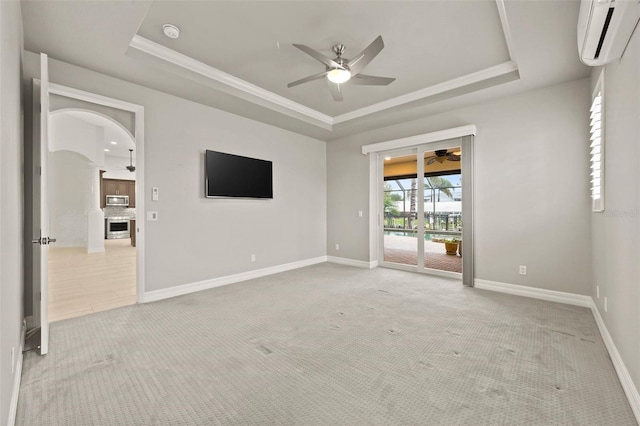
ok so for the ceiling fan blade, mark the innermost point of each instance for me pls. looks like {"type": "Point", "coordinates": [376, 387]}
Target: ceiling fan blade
{"type": "Point", "coordinates": [363, 58]}
{"type": "Point", "coordinates": [318, 56]}
{"type": "Point", "coordinates": [335, 91]}
{"type": "Point", "coordinates": [371, 80]}
{"type": "Point", "coordinates": [307, 79]}
{"type": "Point", "coordinates": [452, 157]}
{"type": "Point", "coordinates": [431, 161]}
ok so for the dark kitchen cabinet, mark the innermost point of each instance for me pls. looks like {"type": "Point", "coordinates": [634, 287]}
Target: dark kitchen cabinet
{"type": "Point", "coordinates": [131, 190]}
{"type": "Point", "coordinates": [118, 187]}
{"type": "Point", "coordinates": [133, 231]}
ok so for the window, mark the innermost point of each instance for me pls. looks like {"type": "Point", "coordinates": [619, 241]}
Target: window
{"type": "Point", "coordinates": [597, 146]}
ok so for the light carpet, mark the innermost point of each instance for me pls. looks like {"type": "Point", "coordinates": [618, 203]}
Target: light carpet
{"type": "Point", "coordinates": [328, 344]}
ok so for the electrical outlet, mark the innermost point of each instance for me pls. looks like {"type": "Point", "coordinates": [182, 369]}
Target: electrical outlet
{"type": "Point", "coordinates": [605, 303]}
{"type": "Point", "coordinates": [13, 360]}
{"type": "Point", "coordinates": [253, 257]}
{"type": "Point", "coordinates": [359, 213]}
{"type": "Point", "coordinates": [523, 270]}
{"type": "Point", "coordinates": [337, 246]}
{"type": "Point", "coordinates": [598, 291]}
{"type": "Point", "coordinates": [152, 215]}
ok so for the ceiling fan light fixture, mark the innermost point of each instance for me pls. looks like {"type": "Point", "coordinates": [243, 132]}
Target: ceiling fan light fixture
{"type": "Point", "coordinates": [338, 75]}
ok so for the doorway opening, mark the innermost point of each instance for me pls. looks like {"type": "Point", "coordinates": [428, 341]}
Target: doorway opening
{"type": "Point", "coordinates": [429, 210]}
{"type": "Point", "coordinates": [433, 183]}
{"type": "Point", "coordinates": [92, 185]}
{"type": "Point", "coordinates": [38, 197]}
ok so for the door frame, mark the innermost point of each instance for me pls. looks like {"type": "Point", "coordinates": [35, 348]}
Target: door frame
{"type": "Point", "coordinates": [138, 137]}
{"type": "Point", "coordinates": [465, 136]}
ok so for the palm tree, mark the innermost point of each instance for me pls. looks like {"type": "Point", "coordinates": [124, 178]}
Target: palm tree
{"type": "Point", "coordinates": [441, 184]}
{"type": "Point", "coordinates": [390, 199]}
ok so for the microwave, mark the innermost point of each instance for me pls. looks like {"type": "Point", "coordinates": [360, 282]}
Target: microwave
{"type": "Point", "coordinates": [118, 200]}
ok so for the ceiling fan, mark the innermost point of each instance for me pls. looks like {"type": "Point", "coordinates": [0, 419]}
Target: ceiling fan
{"type": "Point", "coordinates": [341, 70]}
{"type": "Point", "coordinates": [443, 155]}
{"type": "Point", "coordinates": [131, 167]}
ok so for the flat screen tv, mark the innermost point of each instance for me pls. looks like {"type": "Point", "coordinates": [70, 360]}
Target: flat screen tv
{"type": "Point", "coordinates": [228, 175]}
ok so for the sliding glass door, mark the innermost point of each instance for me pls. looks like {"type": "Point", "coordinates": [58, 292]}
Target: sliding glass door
{"type": "Point", "coordinates": [422, 208]}
{"type": "Point", "coordinates": [400, 210]}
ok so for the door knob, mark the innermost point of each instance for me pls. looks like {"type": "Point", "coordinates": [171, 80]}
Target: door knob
{"type": "Point", "coordinates": [44, 241]}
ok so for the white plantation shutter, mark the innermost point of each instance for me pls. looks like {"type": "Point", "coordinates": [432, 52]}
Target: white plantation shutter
{"type": "Point", "coordinates": [596, 148]}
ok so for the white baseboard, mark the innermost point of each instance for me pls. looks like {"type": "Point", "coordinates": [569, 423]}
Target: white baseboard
{"type": "Point", "coordinates": [17, 378]}
{"type": "Point", "coordinates": [535, 293]}
{"type": "Point", "coordinates": [352, 262]}
{"type": "Point", "coordinates": [623, 374]}
{"type": "Point", "coordinates": [152, 296]}
{"type": "Point", "coordinates": [98, 250]}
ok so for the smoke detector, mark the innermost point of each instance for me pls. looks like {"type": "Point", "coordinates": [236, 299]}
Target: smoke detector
{"type": "Point", "coordinates": [171, 30]}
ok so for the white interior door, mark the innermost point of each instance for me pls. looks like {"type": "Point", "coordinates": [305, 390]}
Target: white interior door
{"type": "Point", "coordinates": [44, 204]}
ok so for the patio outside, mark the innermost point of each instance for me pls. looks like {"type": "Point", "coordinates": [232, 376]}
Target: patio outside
{"type": "Point", "coordinates": [442, 222]}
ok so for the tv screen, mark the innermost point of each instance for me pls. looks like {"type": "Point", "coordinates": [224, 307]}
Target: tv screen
{"type": "Point", "coordinates": [228, 175]}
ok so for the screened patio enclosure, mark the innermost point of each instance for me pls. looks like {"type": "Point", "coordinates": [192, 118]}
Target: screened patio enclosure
{"type": "Point", "coordinates": [441, 200]}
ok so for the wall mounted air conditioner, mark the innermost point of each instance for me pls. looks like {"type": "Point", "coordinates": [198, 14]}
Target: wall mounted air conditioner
{"type": "Point", "coordinates": [604, 29]}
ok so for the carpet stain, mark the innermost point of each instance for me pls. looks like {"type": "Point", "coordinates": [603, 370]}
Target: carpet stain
{"type": "Point", "coordinates": [107, 360]}
{"type": "Point", "coordinates": [383, 291]}
{"type": "Point", "coordinates": [456, 353]}
{"type": "Point", "coordinates": [587, 340]}
{"type": "Point", "coordinates": [264, 350]}
{"type": "Point", "coordinates": [426, 364]}
{"type": "Point", "coordinates": [563, 332]}
{"type": "Point", "coordinates": [334, 327]}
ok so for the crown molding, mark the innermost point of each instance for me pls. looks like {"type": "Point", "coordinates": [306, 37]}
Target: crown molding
{"type": "Point", "coordinates": [506, 29]}
{"type": "Point", "coordinates": [294, 109]}
{"type": "Point", "coordinates": [478, 76]}
{"type": "Point", "coordinates": [161, 52]}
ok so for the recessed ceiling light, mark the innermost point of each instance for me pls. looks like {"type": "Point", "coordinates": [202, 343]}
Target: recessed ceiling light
{"type": "Point", "coordinates": [387, 158]}
{"type": "Point", "coordinates": [114, 143]}
{"type": "Point", "coordinates": [171, 30]}
{"type": "Point", "coordinates": [106, 150]}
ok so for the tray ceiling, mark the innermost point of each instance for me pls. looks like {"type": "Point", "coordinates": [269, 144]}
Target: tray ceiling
{"type": "Point", "coordinates": [237, 55]}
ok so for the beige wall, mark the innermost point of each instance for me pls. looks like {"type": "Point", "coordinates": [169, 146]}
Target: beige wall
{"type": "Point", "coordinates": [532, 210]}
{"type": "Point", "coordinates": [616, 232]}
{"type": "Point", "coordinates": [195, 238]}
{"type": "Point", "coordinates": [11, 206]}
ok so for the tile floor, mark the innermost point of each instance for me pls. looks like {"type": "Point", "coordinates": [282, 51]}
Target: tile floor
{"type": "Point", "coordinates": [82, 283]}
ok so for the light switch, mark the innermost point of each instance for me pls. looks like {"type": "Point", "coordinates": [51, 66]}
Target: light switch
{"type": "Point", "coordinates": [155, 193]}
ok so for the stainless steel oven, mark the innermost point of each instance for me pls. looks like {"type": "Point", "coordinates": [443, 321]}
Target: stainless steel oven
{"type": "Point", "coordinates": [117, 227]}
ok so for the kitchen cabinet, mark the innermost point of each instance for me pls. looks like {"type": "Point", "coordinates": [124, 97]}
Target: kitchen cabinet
{"type": "Point", "coordinates": [133, 231]}
{"type": "Point", "coordinates": [118, 187]}
{"type": "Point", "coordinates": [131, 190]}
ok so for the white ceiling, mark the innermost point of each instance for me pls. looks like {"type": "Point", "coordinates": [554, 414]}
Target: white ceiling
{"type": "Point", "coordinates": [112, 133]}
{"type": "Point", "coordinates": [237, 55]}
